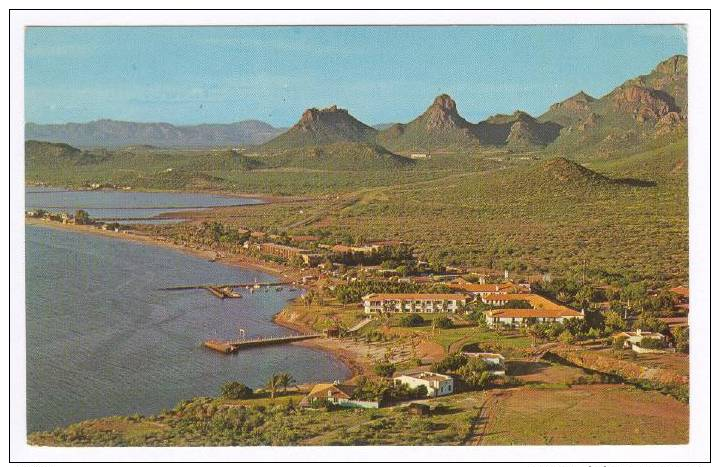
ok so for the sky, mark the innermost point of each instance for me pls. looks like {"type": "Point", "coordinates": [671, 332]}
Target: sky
{"type": "Point", "coordinates": [190, 75]}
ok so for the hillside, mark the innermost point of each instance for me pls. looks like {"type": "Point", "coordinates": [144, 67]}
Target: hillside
{"type": "Point", "coordinates": [516, 131]}
{"type": "Point", "coordinates": [635, 114]}
{"type": "Point", "coordinates": [322, 126]}
{"type": "Point", "coordinates": [113, 134]}
{"type": "Point", "coordinates": [54, 155]}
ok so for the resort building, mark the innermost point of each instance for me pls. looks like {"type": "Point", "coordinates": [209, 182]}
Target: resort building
{"type": "Point", "coordinates": [524, 316]}
{"type": "Point", "coordinates": [481, 290]}
{"type": "Point", "coordinates": [436, 384]}
{"type": "Point", "coordinates": [413, 303]}
{"type": "Point", "coordinates": [542, 310]}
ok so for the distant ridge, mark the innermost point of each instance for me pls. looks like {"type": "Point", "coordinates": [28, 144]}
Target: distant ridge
{"type": "Point", "coordinates": [114, 133]}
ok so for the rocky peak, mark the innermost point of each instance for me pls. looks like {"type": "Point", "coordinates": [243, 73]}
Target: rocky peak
{"type": "Point", "coordinates": [677, 64]}
{"type": "Point", "coordinates": [443, 113]}
{"type": "Point", "coordinates": [644, 103]}
{"type": "Point", "coordinates": [577, 103]}
{"type": "Point", "coordinates": [313, 116]}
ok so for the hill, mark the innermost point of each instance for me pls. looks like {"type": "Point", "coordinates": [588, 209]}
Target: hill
{"type": "Point", "coordinates": [322, 126]}
{"type": "Point", "coordinates": [518, 130]}
{"type": "Point", "coordinates": [54, 155]}
{"type": "Point", "coordinates": [113, 134]}
{"type": "Point", "coordinates": [440, 127]}
{"type": "Point", "coordinates": [339, 156]}
{"type": "Point", "coordinates": [639, 112]}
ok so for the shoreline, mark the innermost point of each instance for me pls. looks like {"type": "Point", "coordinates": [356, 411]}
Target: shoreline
{"type": "Point", "coordinates": [350, 359]}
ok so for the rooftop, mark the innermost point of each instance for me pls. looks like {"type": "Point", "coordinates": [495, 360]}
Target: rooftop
{"type": "Point", "coordinates": [534, 313]}
{"type": "Point", "coordinates": [415, 296]}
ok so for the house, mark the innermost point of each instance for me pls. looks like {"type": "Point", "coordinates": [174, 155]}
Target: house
{"type": "Point", "coordinates": [332, 332]}
{"type": "Point", "coordinates": [413, 303]}
{"type": "Point", "coordinates": [419, 156]}
{"type": "Point", "coordinates": [632, 339]}
{"type": "Point", "coordinates": [337, 394]}
{"type": "Point", "coordinates": [496, 360]}
{"type": "Point", "coordinates": [436, 384]}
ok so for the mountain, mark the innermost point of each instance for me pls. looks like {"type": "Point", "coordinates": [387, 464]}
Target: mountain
{"type": "Point", "coordinates": [113, 133]}
{"type": "Point", "coordinates": [518, 130]}
{"type": "Point", "coordinates": [440, 127]}
{"type": "Point", "coordinates": [323, 126]}
{"type": "Point", "coordinates": [637, 112]}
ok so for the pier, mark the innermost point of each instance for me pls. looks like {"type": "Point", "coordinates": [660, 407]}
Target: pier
{"type": "Point", "coordinates": [233, 346]}
{"type": "Point", "coordinates": [226, 286]}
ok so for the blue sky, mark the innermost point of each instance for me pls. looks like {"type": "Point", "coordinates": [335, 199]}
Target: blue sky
{"type": "Point", "coordinates": [187, 75]}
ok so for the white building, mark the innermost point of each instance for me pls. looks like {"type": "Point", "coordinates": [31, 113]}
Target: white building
{"type": "Point", "coordinates": [413, 303]}
{"type": "Point", "coordinates": [632, 340]}
{"type": "Point", "coordinates": [523, 316]}
{"type": "Point", "coordinates": [436, 384]}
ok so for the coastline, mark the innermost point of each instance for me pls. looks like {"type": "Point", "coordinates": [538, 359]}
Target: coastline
{"type": "Point", "coordinates": [350, 359]}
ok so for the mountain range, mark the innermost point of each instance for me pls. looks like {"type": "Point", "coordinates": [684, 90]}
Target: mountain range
{"type": "Point", "coordinates": [639, 110]}
{"type": "Point", "coordinates": [113, 134]}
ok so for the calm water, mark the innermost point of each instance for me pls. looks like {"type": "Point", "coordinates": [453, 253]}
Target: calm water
{"type": "Point", "coordinates": [121, 205]}
{"type": "Point", "coordinates": [102, 340]}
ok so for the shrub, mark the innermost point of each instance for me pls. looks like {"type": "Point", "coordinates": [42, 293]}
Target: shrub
{"type": "Point", "coordinates": [682, 339]}
{"type": "Point", "coordinates": [411, 320]}
{"type": "Point", "coordinates": [650, 343]}
{"type": "Point", "coordinates": [442, 322]}
{"type": "Point", "coordinates": [235, 390]}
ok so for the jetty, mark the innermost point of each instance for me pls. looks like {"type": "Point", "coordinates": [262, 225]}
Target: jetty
{"type": "Point", "coordinates": [233, 346]}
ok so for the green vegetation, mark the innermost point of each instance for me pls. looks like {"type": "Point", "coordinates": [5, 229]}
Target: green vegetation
{"type": "Point", "coordinates": [235, 390]}
{"type": "Point", "coordinates": [411, 320]}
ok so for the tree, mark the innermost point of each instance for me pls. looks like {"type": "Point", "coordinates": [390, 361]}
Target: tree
{"type": "Point", "coordinates": [411, 320]}
{"type": "Point", "coordinates": [273, 385]}
{"type": "Point", "coordinates": [285, 380]}
{"type": "Point", "coordinates": [384, 369]}
{"type": "Point", "coordinates": [682, 339]}
{"type": "Point", "coordinates": [535, 332]}
{"type": "Point", "coordinates": [566, 337]}
{"type": "Point", "coordinates": [82, 217]}
{"type": "Point", "coordinates": [618, 343]}
{"type": "Point", "coordinates": [235, 390]}
{"type": "Point", "coordinates": [614, 322]}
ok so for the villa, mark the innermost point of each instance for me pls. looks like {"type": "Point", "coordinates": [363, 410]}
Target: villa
{"type": "Point", "coordinates": [436, 384]}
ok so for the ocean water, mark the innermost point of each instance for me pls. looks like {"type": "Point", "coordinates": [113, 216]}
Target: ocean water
{"type": "Point", "coordinates": [123, 205]}
{"type": "Point", "coordinates": [103, 340]}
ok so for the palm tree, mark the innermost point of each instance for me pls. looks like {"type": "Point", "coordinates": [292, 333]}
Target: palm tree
{"type": "Point", "coordinates": [285, 380]}
{"type": "Point", "coordinates": [273, 385]}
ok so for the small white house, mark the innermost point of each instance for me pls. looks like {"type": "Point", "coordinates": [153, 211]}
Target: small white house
{"type": "Point", "coordinates": [436, 384]}
{"type": "Point", "coordinates": [632, 339]}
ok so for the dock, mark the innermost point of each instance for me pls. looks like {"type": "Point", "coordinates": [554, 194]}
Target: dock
{"type": "Point", "coordinates": [233, 346]}
{"type": "Point", "coordinates": [223, 292]}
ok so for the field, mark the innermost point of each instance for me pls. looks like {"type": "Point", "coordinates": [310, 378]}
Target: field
{"type": "Point", "coordinates": [585, 415]}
